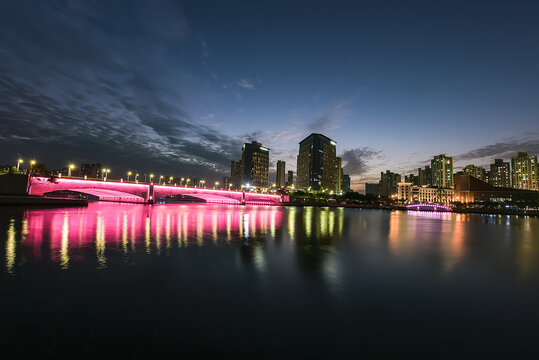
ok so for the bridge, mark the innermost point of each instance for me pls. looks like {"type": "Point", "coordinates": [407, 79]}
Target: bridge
{"type": "Point", "coordinates": [142, 192]}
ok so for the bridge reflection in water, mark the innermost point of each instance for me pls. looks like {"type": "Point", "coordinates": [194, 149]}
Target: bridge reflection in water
{"type": "Point", "coordinates": [133, 228]}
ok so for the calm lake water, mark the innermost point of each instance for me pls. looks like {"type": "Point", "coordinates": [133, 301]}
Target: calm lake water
{"type": "Point", "coordinates": [118, 281]}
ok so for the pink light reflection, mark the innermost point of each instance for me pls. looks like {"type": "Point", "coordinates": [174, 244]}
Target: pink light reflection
{"type": "Point", "coordinates": [130, 227]}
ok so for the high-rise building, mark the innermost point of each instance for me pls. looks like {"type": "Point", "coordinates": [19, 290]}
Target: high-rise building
{"type": "Point", "coordinates": [92, 171]}
{"type": "Point", "coordinates": [317, 163]}
{"type": "Point", "coordinates": [372, 189]}
{"type": "Point", "coordinates": [476, 171]}
{"type": "Point", "coordinates": [500, 173]}
{"type": "Point", "coordinates": [290, 181]}
{"type": "Point", "coordinates": [345, 186]}
{"type": "Point", "coordinates": [235, 175]}
{"type": "Point", "coordinates": [255, 165]}
{"type": "Point", "coordinates": [442, 171]}
{"type": "Point", "coordinates": [226, 183]}
{"type": "Point", "coordinates": [424, 176]}
{"type": "Point", "coordinates": [389, 183]}
{"type": "Point", "coordinates": [338, 180]}
{"type": "Point", "coordinates": [524, 171]}
{"type": "Point", "coordinates": [413, 179]}
{"type": "Point", "coordinates": [279, 178]}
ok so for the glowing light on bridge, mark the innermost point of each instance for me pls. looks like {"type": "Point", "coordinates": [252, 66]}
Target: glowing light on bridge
{"type": "Point", "coordinates": [428, 207]}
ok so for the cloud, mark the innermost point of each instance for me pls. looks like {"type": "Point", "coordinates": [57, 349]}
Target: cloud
{"type": "Point", "coordinates": [355, 160]}
{"type": "Point", "coordinates": [71, 91]}
{"type": "Point", "coordinates": [246, 84]}
{"type": "Point", "coordinates": [503, 149]}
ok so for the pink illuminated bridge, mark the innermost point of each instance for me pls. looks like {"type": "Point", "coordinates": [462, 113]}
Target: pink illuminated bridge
{"type": "Point", "coordinates": [143, 193]}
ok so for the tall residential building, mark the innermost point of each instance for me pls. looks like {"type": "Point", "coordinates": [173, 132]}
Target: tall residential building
{"type": "Point", "coordinates": [338, 180]}
{"type": "Point", "coordinates": [424, 176]}
{"type": "Point", "coordinates": [290, 181]}
{"type": "Point", "coordinates": [372, 189]}
{"type": "Point", "coordinates": [280, 177]}
{"type": "Point", "coordinates": [442, 171]}
{"type": "Point", "coordinates": [524, 171]}
{"type": "Point", "coordinates": [345, 186]}
{"type": "Point", "coordinates": [235, 175]}
{"type": "Point", "coordinates": [389, 183]}
{"type": "Point", "coordinates": [317, 163]}
{"type": "Point", "coordinates": [500, 173]}
{"type": "Point", "coordinates": [476, 171]}
{"type": "Point", "coordinates": [255, 165]}
{"type": "Point", "coordinates": [413, 179]}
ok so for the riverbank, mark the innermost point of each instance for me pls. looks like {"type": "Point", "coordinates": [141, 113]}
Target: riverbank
{"type": "Point", "coordinates": [28, 200]}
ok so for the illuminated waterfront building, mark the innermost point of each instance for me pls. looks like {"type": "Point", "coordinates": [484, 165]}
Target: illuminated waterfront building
{"type": "Point", "coordinates": [524, 171]}
{"type": "Point", "coordinates": [442, 171]}
{"type": "Point", "coordinates": [255, 165]}
{"type": "Point", "coordinates": [290, 181]}
{"type": "Point", "coordinates": [338, 180]}
{"type": "Point", "coordinates": [317, 162]}
{"type": "Point", "coordinates": [476, 171]}
{"type": "Point", "coordinates": [424, 176]}
{"type": "Point", "coordinates": [389, 183]}
{"type": "Point", "coordinates": [500, 173]}
{"type": "Point", "coordinates": [280, 176]}
{"type": "Point", "coordinates": [469, 189]}
{"type": "Point", "coordinates": [235, 175]}
{"type": "Point", "coordinates": [412, 194]}
{"type": "Point", "coordinates": [345, 186]}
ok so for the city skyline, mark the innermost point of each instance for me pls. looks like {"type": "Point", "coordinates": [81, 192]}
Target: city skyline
{"type": "Point", "coordinates": [178, 89]}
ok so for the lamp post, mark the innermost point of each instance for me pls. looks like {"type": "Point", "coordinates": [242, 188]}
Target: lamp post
{"type": "Point", "coordinates": [181, 183]}
{"type": "Point", "coordinates": [136, 178]}
{"type": "Point", "coordinates": [151, 177]}
{"type": "Point", "coordinates": [32, 163]}
{"type": "Point", "coordinates": [203, 182]}
{"type": "Point", "coordinates": [19, 162]}
{"type": "Point", "coordinates": [188, 180]}
{"type": "Point", "coordinates": [160, 178]}
{"type": "Point", "coordinates": [106, 174]}
{"type": "Point", "coordinates": [170, 179]}
{"type": "Point", "coordinates": [128, 175]}
{"type": "Point", "coordinates": [216, 184]}
{"type": "Point", "coordinates": [69, 168]}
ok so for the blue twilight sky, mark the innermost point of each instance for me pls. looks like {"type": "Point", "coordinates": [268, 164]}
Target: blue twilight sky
{"type": "Point", "coordinates": [176, 87]}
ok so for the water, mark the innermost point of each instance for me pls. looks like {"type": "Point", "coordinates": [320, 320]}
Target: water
{"type": "Point", "coordinates": [115, 280]}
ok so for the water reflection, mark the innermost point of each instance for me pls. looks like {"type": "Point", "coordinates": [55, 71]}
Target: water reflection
{"type": "Point", "coordinates": [320, 239]}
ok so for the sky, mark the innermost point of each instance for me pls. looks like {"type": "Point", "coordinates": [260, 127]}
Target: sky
{"type": "Point", "coordinates": [176, 87]}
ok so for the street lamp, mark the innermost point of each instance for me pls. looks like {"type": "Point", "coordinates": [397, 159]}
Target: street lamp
{"type": "Point", "coordinates": [160, 178]}
{"type": "Point", "coordinates": [32, 163]}
{"type": "Point", "coordinates": [105, 174]}
{"type": "Point", "coordinates": [69, 168]}
{"type": "Point", "coordinates": [170, 179]}
{"type": "Point", "coordinates": [136, 178]}
{"type": "Point", "coordinates": [188, 180]}
{"type": "Point", "coordinates": [203, 182]}
{"type": "Point", "coordinates": [151, 177]}
{"type": "Point", "coordinates": [19, 162]}
{"type": "Point", "coordinates": [216, 184]}
{"type": "Point", "coordinates": [181, 183]}
{"type": "Point", "coordinates": [128, 175]}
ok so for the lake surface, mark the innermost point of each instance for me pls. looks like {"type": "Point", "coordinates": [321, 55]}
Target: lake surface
{"type": "Point", "coordinates": [119, 281]}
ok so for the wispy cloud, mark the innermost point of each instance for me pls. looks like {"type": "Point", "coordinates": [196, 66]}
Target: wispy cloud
{"type": "Point", "coordinates": [246, 84]}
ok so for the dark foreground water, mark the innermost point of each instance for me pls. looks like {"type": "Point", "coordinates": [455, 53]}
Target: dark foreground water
{"type": "Point", "coordinates": [119, 281]}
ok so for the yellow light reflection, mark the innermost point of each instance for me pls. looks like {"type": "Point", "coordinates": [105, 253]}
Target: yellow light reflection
{"type": "Point", "coordinates": [100, 242]}
{"type": "Point", "coordinates": [10, 246]}
{"type": "Point", "coordinates": [64, 249]}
